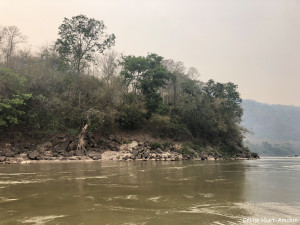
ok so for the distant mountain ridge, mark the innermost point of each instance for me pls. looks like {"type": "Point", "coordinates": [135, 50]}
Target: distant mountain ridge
{"type": "Point", "coordinates": [275, 129]}
{"type": "Point", "coordinates": [272, 122]}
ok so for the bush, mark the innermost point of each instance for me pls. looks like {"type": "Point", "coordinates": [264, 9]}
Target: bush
{"type": "Point", "coordinates": [102, 122]}
{"type": "Point", "coordinates": [130, 117]}
{"type": "Point", "coordinates": [187, 151]}
{"type": "Point", "coordinates": [155, 145]}
{"type": "Point", "coordinates": [163, 127]}
{"type": "Point", "coordinates": [13, 98]}
{"type": "Point", "coordinates": [166, 144]}
{"type": "Point", "coordinates": [197, 148]}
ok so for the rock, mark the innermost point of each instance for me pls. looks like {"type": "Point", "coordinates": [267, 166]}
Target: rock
{"type": "Point", "coordinates": [79, 152]}
{"type": "Point", "coordinates": [23, 156]}
{"type": "Point", "coordinates": [16, 150]}
{"type": "Point", "coordinates": [254, 155]}
{"type": "Point", "coordinates": [217, 156]}
{"type": "Point", "coordinates": [113, 146]}
{"type": "Point", "coordinates": [72, 146]}
{"type": "Point", "coordinates": [203, 156]}
{"type": "Point", "coordinates": [44, 147]}
{"type": "Point", "coordinates": [27, 145]}
{"type": "Point", "coordinates": [135, 152]}
{"type": "Point", "coordinates": [70, 154]}
{"type": "Point", "coordinates": [61, 136]}
{"type": "Point", "coordinates": [73, 158]}
{"type": "Point", "coordinates": [61, 147]}
{"type": "Point", "coordinates": [146, 153]}
{"type": "Point", "coordinates": [2, 158]}
{"type": "Point", "coordinates": [9, 153]}
{"type": "Point", "coordinates": [100, 150]}
{"type": "Point", "coordinates": [158, 156]}
{"type": "Point", "coordinates": [33, 155]}
{"type": "Point", "coordinates": [94, 155]}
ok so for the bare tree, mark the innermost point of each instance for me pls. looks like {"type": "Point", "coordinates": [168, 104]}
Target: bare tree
{"type": "Point", "coordinates": [193, 73]}
{"type": "Point", "coordinates": [109, 65]}
{"type": "Point", "coordinates": [10, 37]}
{"type": "Point", "coordinates": [176, 69]}
{"type": "Point", "coordinates": [1, 41]}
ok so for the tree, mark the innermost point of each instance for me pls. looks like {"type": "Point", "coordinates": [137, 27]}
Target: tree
{"type": "Point", "coordinates": [193, 73]}
{"type": "Point", "coordinates": [176, 70]}
{"type": "Point", "coordinates": [80, 38]}
{"type": "Point", "coordinates": [109, 65]}
{"type": "Point", "coordinates": [147, 75]}
{"type": "Point", "coordinates": [10, 37]}
{"type": "Point", "coordinates": [13, 97]}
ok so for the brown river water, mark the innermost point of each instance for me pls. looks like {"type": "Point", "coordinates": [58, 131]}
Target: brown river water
{"type": "Point", "coordinates": [265, 191]}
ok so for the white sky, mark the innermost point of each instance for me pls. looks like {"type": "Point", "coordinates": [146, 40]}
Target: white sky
{"type": "Point", "coordinates": [253, 43]}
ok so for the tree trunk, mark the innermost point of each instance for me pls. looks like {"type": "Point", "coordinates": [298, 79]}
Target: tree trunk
{"type": "Point", "coordinates": [82, 142]}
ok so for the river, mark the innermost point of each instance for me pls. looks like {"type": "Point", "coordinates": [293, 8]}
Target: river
{"type": "Point", "coordinates": [265, 191]}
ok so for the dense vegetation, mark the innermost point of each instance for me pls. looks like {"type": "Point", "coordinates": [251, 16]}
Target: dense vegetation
{"type": "Point", "coordinates": [63, 87]}
{"type": "Point", "coordinates": [275, 129]}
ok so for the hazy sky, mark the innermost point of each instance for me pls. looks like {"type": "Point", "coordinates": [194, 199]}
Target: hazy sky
{"type": "Point", "coordinates": [253, 43]}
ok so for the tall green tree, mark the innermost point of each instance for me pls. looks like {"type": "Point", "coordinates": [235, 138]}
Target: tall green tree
{"type": "Point", "coordinates": [80, 38]}
{"type": "Point", "coordinates": [145, 75]}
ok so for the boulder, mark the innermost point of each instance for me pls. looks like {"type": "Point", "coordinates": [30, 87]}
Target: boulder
{"type": "Point", "coordinates": [135, 152]}
{"type": "Point", "coordinates": [79, 152]}
{"type": "Point", "coordinates": [61, 136]}
{"type": "Point", "coordinates": [254, 155]}
{"type": "Point", "coordinates": [9, 153]}
{"type": "Point", "coordinates": [203, 156]}
{"type": "Point", "coordinates": [70, 154]}
{"type": "Point", "coordinates": [72, 146]}
{"type": "Point", "coordinates": [44, 147]}
{"type": "Point", "coordinates": [94, 155]}
{"type": "Point", "coordinates": [34, 155]}
{"type": "Point", "coordinates": [2, 158]}
{"type": "Point", "coordinates": [146, 153]}
{"type": "Point", "coordinates": [113, 146]}
{"type": "Point", "coordinates": [61, 147]}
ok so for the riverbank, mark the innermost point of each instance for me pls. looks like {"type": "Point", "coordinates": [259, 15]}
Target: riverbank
{"type": "Point", "coordinates": [122, 147]}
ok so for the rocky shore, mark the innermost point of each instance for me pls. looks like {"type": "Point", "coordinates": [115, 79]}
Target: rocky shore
{"type": "Point", "coordinates": [65, 147]}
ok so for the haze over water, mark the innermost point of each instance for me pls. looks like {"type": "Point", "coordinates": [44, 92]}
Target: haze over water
{"type": "Point", "coordinates": [184, 192]}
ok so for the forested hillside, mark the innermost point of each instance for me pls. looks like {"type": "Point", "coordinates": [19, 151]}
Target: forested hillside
{"type": "Point", "coordinates": [275, 129]}
{"type": "Point", "coordinates": [78, 82]}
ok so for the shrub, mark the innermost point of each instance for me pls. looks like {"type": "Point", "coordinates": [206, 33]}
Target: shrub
{"type": "Point", "coordinates": [155, 145]}
{"type": "Point", "coordinates": [163, 127]}
{"type": "Point", "coordinates": [130, 117]}
{"type": "Point", "coordinates": [188, 151]}
{"type": "Point", "coordinates": [166, 144]}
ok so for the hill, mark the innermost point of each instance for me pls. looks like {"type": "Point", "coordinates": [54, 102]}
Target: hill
{"type": "Point", "coordinates": [275, 129]}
